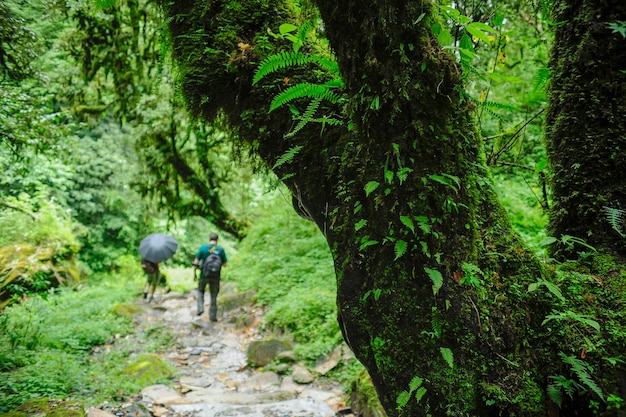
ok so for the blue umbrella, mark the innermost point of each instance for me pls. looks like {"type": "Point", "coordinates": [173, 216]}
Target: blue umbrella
{"type": "Point", "coordinates": [158, 247]}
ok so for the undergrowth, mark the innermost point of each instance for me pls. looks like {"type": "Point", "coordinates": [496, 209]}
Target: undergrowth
{"type": "Point", "coordinates": [47, 345]}
{"type": "Point", "coordinates": [286, 260]}
{"type": "Point", "coordinates": [522, 200]}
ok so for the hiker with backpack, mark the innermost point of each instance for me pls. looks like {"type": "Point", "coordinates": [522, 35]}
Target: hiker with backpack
{"type": "Point", "coordinates": [210, 259]}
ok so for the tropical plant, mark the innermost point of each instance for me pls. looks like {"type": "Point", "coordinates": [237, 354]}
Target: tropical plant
{"type": "Point", "coordinates": [315, 93]}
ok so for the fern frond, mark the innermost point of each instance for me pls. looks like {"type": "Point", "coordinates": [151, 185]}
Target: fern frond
{"type": "Point", "coordinates": [304, 90]}
{"type": "Point", "coordinates": [493, 105]}
{"type": "Point", "coordinates": [616, 219]}
{"type": "Point", "coordinates": [288, 156]}
{"type": "Point", "coordinates": [304, 29]}
{"type": "Point", "coordinates": [327, 120]}
{"type": "Point", "coordinates": [334, 83]}
{"type": "Point", "coordinates": [306, 117]}
{"type": "Point", "coordinates": [580, 369]}
{"type": "Point", "coordinates": [329, 65]}
{"type": "Point", "coordinates": [541, 79]}
{"type": "Point", "coordinates": [467, 69]}
{"type": "Point", "coordinates": [494, 114]}
{"type": "Point", "coordinates": [555, 395]}
{"type": "Point", "coordinates": [279, 61]}
{"type": "Point", "coordinates": [289, 59]}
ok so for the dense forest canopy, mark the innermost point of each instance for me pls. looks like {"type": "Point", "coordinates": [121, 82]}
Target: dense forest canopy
{"type": "Point", "coordinates": [401, 129]}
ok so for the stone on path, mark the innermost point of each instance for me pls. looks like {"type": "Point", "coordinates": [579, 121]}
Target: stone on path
{"type": "Point", "coordinates": [259, 382]}
{"type": "Point", "coordinates": [301, 374]}
{"type": "Point", "coordinates": [161, 394]}
{"type": "Point", "coordinates": [292, 408]}
{"type": "Point", "coordinates": [95, 412]}
{"type": "Point", "coordinates": [219, 369]}
{"type": "Point", "coordinates": [328, 362]}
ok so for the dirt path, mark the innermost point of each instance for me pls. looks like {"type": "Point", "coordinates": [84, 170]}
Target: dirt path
{"type": "Point", "coordinates": [212, 375]}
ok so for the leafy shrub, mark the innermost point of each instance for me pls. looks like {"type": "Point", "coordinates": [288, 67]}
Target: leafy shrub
{"type": "Point", "coordinates": [43, 343]}
{"type": "Point", "coordinates": [37, 251]}
{"type": "Point", "coordinates": [310, 314]}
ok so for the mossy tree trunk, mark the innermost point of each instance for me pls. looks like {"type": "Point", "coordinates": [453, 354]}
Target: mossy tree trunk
{"type": "Point", "coordinates": [587, 123]}
{"type": "Point", "coordinates": [432, 279]}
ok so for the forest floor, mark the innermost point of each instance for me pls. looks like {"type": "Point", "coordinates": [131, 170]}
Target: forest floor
{"type": "Point", "coordinates": [212, 377]}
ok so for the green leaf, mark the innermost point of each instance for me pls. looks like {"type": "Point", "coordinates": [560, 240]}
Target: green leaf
{"type": "Point", "coordinates": [375, 104]}
{"type": "Point", "coordinates": [614, 361]}
{"type": "Point", "coordinates": [554, 289]}
{"type": "Point", "coordinates": [368, 243]}
{"type": "Point", "coordinates": [547, 241]}
{"type": "Point", "coordinates": [286, 28]}
{"type": "Point", "coordinates": [420, 393]}
{"type": "Point", "coordinates": [415, 383]}
{"type": "Point", "coordinates": [403, 174]}
{"type": "Point", "coordinates": [360, 224]}
{"type": "Point", "coordinates": [581, 369]}
{"type": "Point", "coordinates": [592, 323]}
{"type": "Point", "coordinates": [389, 176]}
{"type": "Point", "coordinates": [476, 31]}
{"type": "Point", "coordinates": [403, 399]}
{"type": "Point", "coordinates": [370, 187]}
{"type": "Point", "coordinates": [555, 394]}
{"type": "Point", "coordinates": [303, 90]}
{"type": "Point", "coordinates": [436, 278]}
{"type": "Point", "coordinates": [400, 249]}
{"type": "Point", "coordinates": [444, 37]}
{"type": "Point", "coordinates": [453, 13]}
{"type": "Point", "coordinates": [447, 356]}
{"type": "Point", "coordinates": [447, 180]}
{"type": "Point", "coordinates": [618, 27]}
{"type": "Point", "coordinates": [406, 220]}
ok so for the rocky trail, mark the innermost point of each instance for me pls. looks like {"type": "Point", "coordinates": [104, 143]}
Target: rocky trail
{"type": "Point", "coordinates": [213, 377]}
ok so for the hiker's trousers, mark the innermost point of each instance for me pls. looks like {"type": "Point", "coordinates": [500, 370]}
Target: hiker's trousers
{"type": "Point", "coordinates": [214, 289]}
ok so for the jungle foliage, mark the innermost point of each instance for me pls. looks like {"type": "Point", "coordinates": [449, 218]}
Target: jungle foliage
{"type": "Point", "coordinates": [97, 150]}
{"type": "Point", "coordinates": [404, 194]}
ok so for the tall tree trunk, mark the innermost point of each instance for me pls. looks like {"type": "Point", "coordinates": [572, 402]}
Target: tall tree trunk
{"type": "Point", "coordinates": [433, 282]}
{"type": "Point", "coordinates": [587, 124]}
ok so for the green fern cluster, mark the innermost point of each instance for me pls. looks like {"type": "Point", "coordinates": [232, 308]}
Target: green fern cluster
{"type": "Point", "coordinates": [315, 93]}
{"type": "Point", "coordinates": [290, 59]}
{"type": "Point", "coordinates": [561, 384]}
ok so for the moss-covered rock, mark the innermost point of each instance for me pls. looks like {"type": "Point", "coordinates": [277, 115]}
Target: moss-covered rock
{"type": "Point", "coordinates": [148, 369]}
{"type": "Point", "coordinates": [262, 352]}
{"type": "Point", "coordinates": [46, 407]}
{"type": "Point", "coordinates": [126, 310]}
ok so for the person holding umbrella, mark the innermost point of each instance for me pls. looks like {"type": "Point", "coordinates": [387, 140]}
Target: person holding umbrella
{"type": "Point", "coordinates": [154, 249]}
{"type": "Point", "coordinates": [153, 276]}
